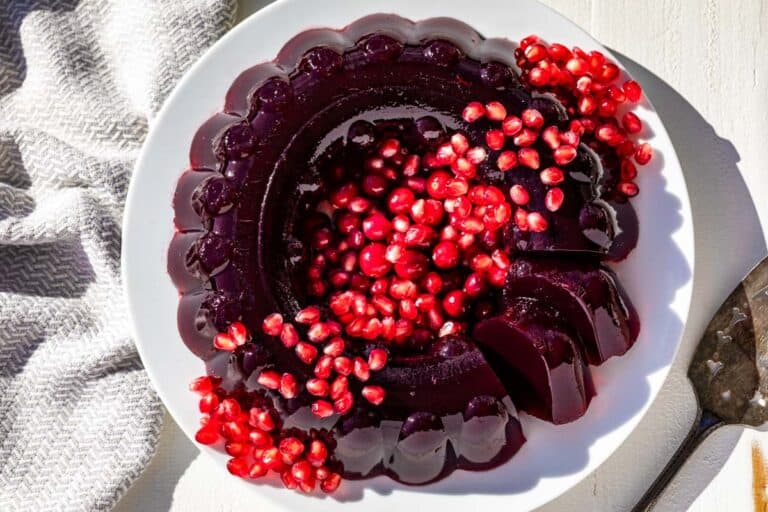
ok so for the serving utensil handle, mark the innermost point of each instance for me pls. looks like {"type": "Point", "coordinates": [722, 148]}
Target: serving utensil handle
{"type": "Point", "coordinates": [705, 424]}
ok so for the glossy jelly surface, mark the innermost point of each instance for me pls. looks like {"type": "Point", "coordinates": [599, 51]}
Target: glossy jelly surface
{"type": "Point", "coordinates": [257, 167]}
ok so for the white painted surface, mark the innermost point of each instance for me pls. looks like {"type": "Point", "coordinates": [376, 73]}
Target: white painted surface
{"type": "Point", "coordinates": [701, 64]}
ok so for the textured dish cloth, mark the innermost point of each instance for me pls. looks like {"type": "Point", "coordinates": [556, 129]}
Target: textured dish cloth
{"type": "Point", "coordinates": [80, 81]}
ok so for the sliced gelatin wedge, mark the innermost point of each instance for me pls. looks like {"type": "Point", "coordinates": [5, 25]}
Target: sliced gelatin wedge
{"type": "Point", "coordinates": [538, 360]}
{"type": "Point", "coordinates": [586, 293]}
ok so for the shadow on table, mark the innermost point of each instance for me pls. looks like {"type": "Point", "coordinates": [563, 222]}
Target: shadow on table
{"type": "Point", "coordinates": [729, 240]}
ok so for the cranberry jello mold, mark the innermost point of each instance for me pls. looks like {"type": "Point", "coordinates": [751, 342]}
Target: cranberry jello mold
{"type": "Point", "coordinates": [259, 170]}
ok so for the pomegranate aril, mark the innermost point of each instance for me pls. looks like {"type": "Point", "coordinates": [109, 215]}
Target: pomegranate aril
{"type": "Point", "coordinates": [262, 419]}
{"type": "Point", "coordinates": [400, 200]}
{"type": "Point", "coordinates": [374, 394]}
{"type": "Point", "coordinates": [308, 315]}
{"type": "Point", "coordinates": [536, 52]}
{"type": "Point", "coordinates": [269, 379]}
{"type": "Point", "coordinates": [584, 85]}
{"type": "Point", "coordinates": [495, 111]}
{"type": "Point", "coordinates": [474, 285]}
{"type": "Point", "coordinates": [554, 199]}
{"type": "Point", "coordinates": [537, 223]}
{"type": "Point", "coordinates": [525, 138]}
{"type": "Point", "coordinates": [464, 168]}
{"type": "Point", "coordinates": [401, 289]}
{"type": "Point", "coordinates": [291, 447]}
{"type": "Point", "coordinates": [272, 458]}
{"type": "Point", "coordinates": [631, 123]}
{"type": "Point", "coordinates": [260, 439]}
{"type": "Point", "coordinates": [628, 170]}
{"type": "Point", "coordinates": [643, 154]}
{"type": "Point", "coordinates": [529, 157]}
{"type": "Point", "coordinates": [323, 367]}
{"type": "Point", "coordinates": [559, 52]}
{"type": "Point", "coordinates": [318, 332]}
{"type": "Point", "coordinates": [229, 409]}
{"type": "Point", "coordinates": [361, 369]}
{"type": "Point", "coordinates": [317, 387]}
{"type": "Point", "coordinates": [532, 118]}
{"type": "Point", "coordinates": [577, 66]}
{"type": "Point", "coordinates": [289, 336]}
{"type": "Point", "coordinates": [511, 126]}
{"type": "Point", "coordinates": [457, 187]}
{"type": "Point", "coordinates": [238, 466]}
{"type": "Point", "coordinates": [432, 282]}
{"type": "Point", "coordinates": [521, 220]}
{"type": "Point", "coordinates": [239, 332]}
{"type": "Point", "coordinates": [208, 403]}
{"type": "Point", "coordinates": [506, 160]}
{"type": "Point", "coordinates": [539, 77]}
{"type": "Point", "coordinates": [207, 435]}
{"type": "Point", "coordinates": [389, 148]}
{"type": "Point", "coordinates": [412, 165]}
{"type": "Point", "coordinates": [412, 265]}
{"type": "Point", "coordinates": [288, 481]}
{"type": "Point", "coordinates": [236, 449]}
{"type": "Point", "coordinates": [342, 196]}
{"type": "Point", "coordinates": [633, 91]}
{"type": "Point", "coordinates": [471, 225]}
{"type": "Point", "coordinates": [257, 470]}
{"type": "Point", "coordinates": [445, 154]}
{"type": "Point", "coordinates": [289, 388]}
{"type": "Point", "coordinates": [519, 194]}
{"type": "Point", "coordinates": [564, 154]}
{"type": "Point", "coordinates": [373, 260]}
{"type": "Point", "coordinates": [342, 365]}
{"type": "Point", "coordinates": [204, 385]}
{"type": "Point", "coordinates": [476, 155]}
{"type": "Point", "coordinates": [322, 408]}
{"type": "Point", "coordinates": [494, 139]}
{"type": "Point", "coordinates": [454, 303]}
{"type": "Point", "coordinates": [628, 188]}
{"type": "Point", "coordinates": [473, 111]}
{"type": "Point", "coordinates": [551, 136]}
{"type": "Point", "coordinates": [377, 359]}
{"type": "Point", "coordinates": [317, 453]}
{"type": "Point", "coordinates": [445, 255]}
{"type": "Point", "coordinates": [234, 431]}
{"type": "Point", "coordinates": [224, 341]}
{"type": "Point", "coordinates": [587, 105]}
{"type": "Point", "coordinates": [376, 227]}
{"type": "Point", "coordinates": [306, 352]}
{"type": "Point", "coordinates": [344, 403]}
{"type": "Point", "coordinates": [338, 387]}
{"type": "Point", "coordinates": [331, 483]}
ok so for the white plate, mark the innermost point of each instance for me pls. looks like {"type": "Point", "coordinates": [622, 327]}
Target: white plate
{"type": "Point", "coordinates": [657, 275]}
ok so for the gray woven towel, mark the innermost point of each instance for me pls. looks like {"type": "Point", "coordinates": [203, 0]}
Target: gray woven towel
{"type": "Point", "coordinates": [79, 83]}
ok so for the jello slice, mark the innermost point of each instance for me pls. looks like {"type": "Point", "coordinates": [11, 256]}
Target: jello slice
{"type": "Point", "coordinates": [586, 293]}
{"type": "Point", "coordinates": [538, 360]}
{"type": "Point", "coordinates": [445, 410]}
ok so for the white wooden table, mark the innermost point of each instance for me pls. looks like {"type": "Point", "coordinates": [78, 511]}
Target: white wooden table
{"type": "Point", "coordinates": [703, 63]}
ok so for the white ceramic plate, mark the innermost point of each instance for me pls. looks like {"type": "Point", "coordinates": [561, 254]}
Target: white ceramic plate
{"type": "Point", "coordinates": [657, 275]}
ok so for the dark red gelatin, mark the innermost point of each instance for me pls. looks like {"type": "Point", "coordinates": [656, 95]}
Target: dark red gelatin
{"type": "Point", "coordinates": [538, 359]}
{"type": "Point", "coordinates": [587, 295]}
{"type": "Point", "coordinates": [258, 167]}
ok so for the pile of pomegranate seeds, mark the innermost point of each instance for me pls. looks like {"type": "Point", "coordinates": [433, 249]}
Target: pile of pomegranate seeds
{"type": "Point", "coordinates": [406, 251]}
{"type": "Point", "coordinates": [257, 445]}
{"type": "Point", "coordinates": [589, 86]}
